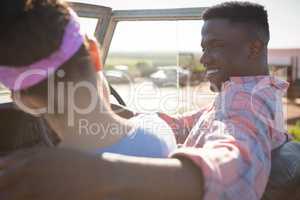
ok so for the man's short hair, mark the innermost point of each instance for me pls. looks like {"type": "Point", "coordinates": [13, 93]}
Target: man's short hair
{"type": "Point", "coordinates": [241, 12]}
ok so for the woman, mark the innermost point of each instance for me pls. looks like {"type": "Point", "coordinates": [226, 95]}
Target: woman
{"type": "Point", "coordinates": [51, 66]}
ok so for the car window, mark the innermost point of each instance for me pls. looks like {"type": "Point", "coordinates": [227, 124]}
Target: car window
{"type": "Point", "coordinates": [88, 24]}
{"type": "Point", "coordinates": [4, 94]}
{"type": "Point", "coordinates": [158, 56]}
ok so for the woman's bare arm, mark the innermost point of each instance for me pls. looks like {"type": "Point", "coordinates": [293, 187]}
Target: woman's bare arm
{"type": "Point", "coordinates": [66, 174]}
{"type": "Point", "coordinates": [159, 179]}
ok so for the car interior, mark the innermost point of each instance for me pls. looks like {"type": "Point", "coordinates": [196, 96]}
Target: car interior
{"type": "Point", "coordinates": [20, 130]}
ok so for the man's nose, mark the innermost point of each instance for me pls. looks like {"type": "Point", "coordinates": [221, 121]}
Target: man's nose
{"type": "Point", "coordinates": [205, 59]}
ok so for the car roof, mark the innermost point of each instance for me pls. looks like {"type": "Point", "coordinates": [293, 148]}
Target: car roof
{"type": "Point", "coordinates": [149, 4]}
{"type": "Point", "coordinates": [284, 27]}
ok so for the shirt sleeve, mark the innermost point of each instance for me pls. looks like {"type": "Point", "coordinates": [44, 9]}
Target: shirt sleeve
{"type": "Point", "coordinates": [234, 152]}
{"type": "Point", "coordinates": [181, 125]}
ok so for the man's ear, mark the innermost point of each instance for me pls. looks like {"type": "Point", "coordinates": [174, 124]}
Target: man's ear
{"type": "Point", "coordinates": [29, 104]}
{"type": "Point", "coordinates": [256, 48]}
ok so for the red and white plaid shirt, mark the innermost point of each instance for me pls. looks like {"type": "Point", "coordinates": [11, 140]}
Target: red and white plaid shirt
{"type": "Point", "coordinates": [231, 140]}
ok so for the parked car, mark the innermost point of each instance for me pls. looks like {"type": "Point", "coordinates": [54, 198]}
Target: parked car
{"type": "Point", "coordinates": [170, 76]}
{"type": "Point", "coordinates": [118, 76]}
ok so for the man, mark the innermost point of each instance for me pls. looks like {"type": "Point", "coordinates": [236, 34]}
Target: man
{"type": "Point", "coordinates": [225, 156]}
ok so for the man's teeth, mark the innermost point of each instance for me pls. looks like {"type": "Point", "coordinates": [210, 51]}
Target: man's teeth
{"type": "Point", "coordinates": [212, 71]}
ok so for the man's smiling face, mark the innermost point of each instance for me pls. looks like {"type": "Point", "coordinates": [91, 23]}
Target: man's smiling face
{"type": "Point", "coordinates": [225, 50]}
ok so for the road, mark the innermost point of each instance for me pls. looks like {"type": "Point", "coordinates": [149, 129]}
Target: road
{"type": "Point", "coordinates": [146, 97]}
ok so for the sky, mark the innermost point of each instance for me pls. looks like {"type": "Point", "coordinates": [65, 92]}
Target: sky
{"type": "Point", "coordinates": [284, 20]}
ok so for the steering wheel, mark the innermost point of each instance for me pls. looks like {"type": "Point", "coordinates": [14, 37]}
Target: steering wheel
{"type": "Point", "coordinates": [116, 95]}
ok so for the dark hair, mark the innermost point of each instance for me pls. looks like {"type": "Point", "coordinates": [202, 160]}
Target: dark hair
{"type": "Point", "coordinates": [32, 30]}
{"type": "Point", "coordinates": [241, 12]}
{"type": "Point", "coordinates": [20, 130]}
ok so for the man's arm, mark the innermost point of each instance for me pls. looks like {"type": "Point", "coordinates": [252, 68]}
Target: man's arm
{"type": "Point", "coordinates": [181, 125]}
{"type": "Point", "coordinates": [67, 174]}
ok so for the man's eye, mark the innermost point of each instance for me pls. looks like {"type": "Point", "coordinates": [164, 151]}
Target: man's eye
{"type": "Point", "coordinates": [207, 49]}
{"type": "Point", "coordinates": [217, 45]}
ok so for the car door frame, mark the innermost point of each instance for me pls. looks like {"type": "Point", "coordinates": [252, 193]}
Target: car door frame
{"type": "Point", "coordinates": [108, 19]}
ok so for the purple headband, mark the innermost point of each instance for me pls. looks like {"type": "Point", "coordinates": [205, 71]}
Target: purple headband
{"type": "Point", "coordinates": [18, 78]}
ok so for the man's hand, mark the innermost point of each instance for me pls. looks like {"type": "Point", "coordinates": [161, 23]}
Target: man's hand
{"type": "Point", "coordinates": [49, 174]}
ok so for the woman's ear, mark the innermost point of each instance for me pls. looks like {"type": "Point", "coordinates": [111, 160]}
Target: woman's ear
{"type": "Point", "coordinates": [29, 104]}
{"type": "Point", "coordinates": [94, 50]}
